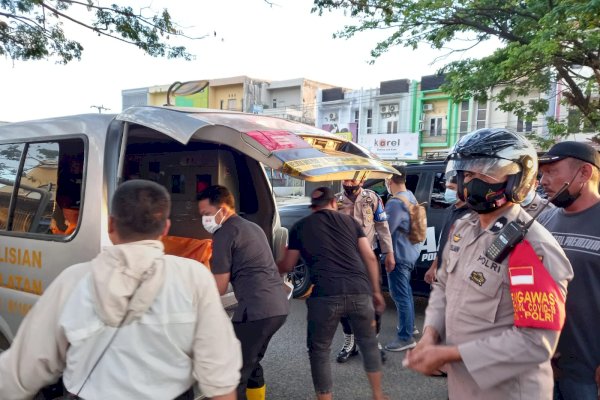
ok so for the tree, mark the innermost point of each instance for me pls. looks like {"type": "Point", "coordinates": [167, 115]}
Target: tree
{"type": "Point", "coordinates": [544, 41]}
{"type": "Point", "coordinates": [33, 29]}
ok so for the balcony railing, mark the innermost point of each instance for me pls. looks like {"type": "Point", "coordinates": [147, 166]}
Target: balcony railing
{"type": "Point", "coordinates": [438, 136]}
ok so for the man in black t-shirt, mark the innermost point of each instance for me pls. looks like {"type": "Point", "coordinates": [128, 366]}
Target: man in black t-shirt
{"type": "Point", "coordinates": [345, 274]}
{"type": "Point", "coordinates": [574, 224]}
{"type": "Point", "coordinates": [241, 255]}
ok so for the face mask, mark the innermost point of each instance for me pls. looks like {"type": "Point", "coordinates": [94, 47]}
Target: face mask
{"type": "Point", "coordinates": [565, 199]}
{"type": "Point", "coordinates": [527, 201]}
{"type": "Point", "coordinates": [387, 187]}
{"type": "Point", "coordinates": [450, 196]}
{"type": "Point", "coordinates": [351, 190]}
{"type": "Point", "coordinates": [483, 197]}
{"type": "Point", "coordinates": [209, 222]}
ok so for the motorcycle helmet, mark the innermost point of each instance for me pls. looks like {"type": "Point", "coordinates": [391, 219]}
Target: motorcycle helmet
{"type": "Point", "coordinates": [496, 153]}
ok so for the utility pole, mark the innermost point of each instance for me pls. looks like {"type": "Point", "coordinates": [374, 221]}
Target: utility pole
{"type": "Point", "coordinates": [100, 108]}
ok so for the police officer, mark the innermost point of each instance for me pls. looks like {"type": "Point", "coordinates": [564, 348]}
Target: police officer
{"type": "Point", "coordinates": [498, 319]}
{"type": "Point", "coordinates": [367, 208]}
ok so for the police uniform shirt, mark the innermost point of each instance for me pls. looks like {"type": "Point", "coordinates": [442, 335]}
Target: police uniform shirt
{"type": "Point", "coordinates": [471, 307]}
{"type": "Point", "coordinates": [368, 210]}
{"type": "Point", "coordinates": [536, 204]}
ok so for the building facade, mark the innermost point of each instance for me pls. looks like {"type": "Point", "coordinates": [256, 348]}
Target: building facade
{"type": "Point", "coordinates": [379, 119]}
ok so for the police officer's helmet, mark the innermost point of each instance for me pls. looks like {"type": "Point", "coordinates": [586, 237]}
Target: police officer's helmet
{"type": "Point", "coordinates": [497, 153]}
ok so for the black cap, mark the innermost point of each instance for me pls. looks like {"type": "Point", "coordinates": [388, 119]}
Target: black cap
{"type": "Point", "coordinates": [578, 150]}
{"type": "Point", "coordinates": [321, 196]}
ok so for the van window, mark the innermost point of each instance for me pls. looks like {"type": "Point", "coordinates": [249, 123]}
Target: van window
{"type": "Point", "coordinates": [49, 188]}
{"type": "Point", "coordinates": [10, 155]}
{"type": "Point", "coordinates": [437, 192]}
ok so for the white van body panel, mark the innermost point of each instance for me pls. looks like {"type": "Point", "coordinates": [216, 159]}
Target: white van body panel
{"type": "Point", "coordinates": [237, 143]}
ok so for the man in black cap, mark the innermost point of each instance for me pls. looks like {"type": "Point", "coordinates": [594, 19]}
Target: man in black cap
{"type": "Point", "coordinates": [575, 225]}
{"type": "Point", "coordinates": [345, 274]}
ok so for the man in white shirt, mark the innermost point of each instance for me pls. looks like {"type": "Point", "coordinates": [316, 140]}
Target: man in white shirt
{"type": "Point", "coordinates": [133, 323]}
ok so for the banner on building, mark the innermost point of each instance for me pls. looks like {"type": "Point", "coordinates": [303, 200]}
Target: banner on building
{"type": "Point", "coordinates": [394, 146]}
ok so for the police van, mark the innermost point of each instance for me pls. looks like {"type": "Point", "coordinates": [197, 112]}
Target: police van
{"type": "Point", "coordinates": [57, 176]}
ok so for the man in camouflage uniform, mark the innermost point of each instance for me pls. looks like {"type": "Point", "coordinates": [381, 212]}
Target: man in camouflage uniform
{"type": "Point", "coordinates": [367, 208]}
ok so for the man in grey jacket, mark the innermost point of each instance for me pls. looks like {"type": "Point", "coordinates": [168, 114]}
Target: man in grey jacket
{"type": "Point", "coordinates": [133, 323]}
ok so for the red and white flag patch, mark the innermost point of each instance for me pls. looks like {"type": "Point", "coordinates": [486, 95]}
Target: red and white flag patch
{"type": "Point", "coordinates": [521, 276]}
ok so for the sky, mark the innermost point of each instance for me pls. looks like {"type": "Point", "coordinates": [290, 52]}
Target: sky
{"type": "Point", "coordinates": [282, 41]}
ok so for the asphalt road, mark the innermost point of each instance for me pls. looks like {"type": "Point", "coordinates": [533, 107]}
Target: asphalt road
{"type": "Point", "coordinates": [287, 370]}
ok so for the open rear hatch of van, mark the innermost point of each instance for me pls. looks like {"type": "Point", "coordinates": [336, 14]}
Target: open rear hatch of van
{"type": "Point", "coordinates": [296, 149]}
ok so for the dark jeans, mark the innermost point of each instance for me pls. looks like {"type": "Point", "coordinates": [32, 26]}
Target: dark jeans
{"type": "Point", "coordinates": [401, 293]}
{"type": "Point", "coordinates": [347, 329]}
{"type": "Point", "coordinates": [323, 316]}
{"type": "Point", "coordinates": [254, 337]}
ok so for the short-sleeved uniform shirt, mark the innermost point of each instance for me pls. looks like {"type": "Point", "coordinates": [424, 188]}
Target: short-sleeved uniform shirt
{"type": "Point", "coordinates": [240, 247]}
{"type": "Point", "coordinates": [328, 243]}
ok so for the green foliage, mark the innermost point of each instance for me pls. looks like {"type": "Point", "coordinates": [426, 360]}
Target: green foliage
{"type": "Point", "coordinates": [33, 29]}
{"type": "Point", "coordinates": [544, 42]}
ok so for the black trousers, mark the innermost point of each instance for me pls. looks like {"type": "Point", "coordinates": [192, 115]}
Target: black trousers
{"type": "Point", "coordinates": [348, 329]}
{"type": "Point", "coordinates": [254, 337]}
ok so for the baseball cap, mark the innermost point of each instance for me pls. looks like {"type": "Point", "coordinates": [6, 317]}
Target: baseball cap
{"type": "Point", "coordinates": [321, 196]}
{"type": "Point", "coordinates": [578, 150]}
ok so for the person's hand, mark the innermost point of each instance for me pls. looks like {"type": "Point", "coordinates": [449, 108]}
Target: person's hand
{"type": "Point", "coordinates": [378, 302]}
{"type": "Point", "coordinates": [597, 378]}
{"type": "Point", "coordinates": [430, 274]}
{"type": "Point", "coordinates": [390, 262]}
{"type": "Point", "coordinates": [429, 338]}
{"type": "Point", "coordinates": [428, 359]}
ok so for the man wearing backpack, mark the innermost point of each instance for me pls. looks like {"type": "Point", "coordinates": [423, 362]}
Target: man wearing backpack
{"type": "Point", "coordinates": [399, 209]}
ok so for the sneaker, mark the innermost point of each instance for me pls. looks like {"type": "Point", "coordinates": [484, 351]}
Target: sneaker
{"type": "Point", "coordinates": [400, 345]}
{"type": "Point", "coordinates": [348, 350]}
{"type": "Point", "coordinates": [383, 355]}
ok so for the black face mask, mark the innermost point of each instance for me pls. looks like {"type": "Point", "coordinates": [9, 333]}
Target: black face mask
{"type": "Point", "coordinates": [351, 190]}
{"type": "Point", "coordinates": [565, 199]}
{"type": "Point", "coordinates": [483, 197]}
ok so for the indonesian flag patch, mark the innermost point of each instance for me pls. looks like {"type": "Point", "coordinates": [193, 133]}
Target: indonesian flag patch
{"type": "Point", "coordinates": [521, 275]}
{"type": "Point", "coordinates": [537, 300]}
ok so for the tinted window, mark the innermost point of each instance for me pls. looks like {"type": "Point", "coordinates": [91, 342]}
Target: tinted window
{"type": "Point", "coordinates": [10, 155]}
{"type": "Point", "coordinates": [437, 192]}
{"type": "Point", "coordinates": [50, 185]}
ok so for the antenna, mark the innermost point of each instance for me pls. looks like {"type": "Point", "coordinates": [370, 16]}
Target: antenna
{"type": "Point", "coordinates": [100, 108]}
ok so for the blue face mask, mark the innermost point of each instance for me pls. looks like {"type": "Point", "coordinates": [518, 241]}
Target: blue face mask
{"type": "Point", "coordinates": [450, 196]}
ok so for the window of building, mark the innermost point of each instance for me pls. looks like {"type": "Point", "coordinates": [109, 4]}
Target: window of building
{"type": "Point", "coordinates": [464, 117]}
{"type": "Point", "coordinates": [221, 103]}
{"type": "Point", "coordinates": [435, 126]}
{"type": "Point", "coordinates": [392, 127]}
{"type": "Point", "coordinates": [481, 114]}
{"type": "Point", "coordinates": [356, 118]}
{"type": "Point", "coordinates": [524, 126]}
{"type": "Point", "coordinates": [274, 103]}
{"type": "Point", "coordinates": [370, 120]}
{"type": "Point", "coordinates": [49, 192]}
